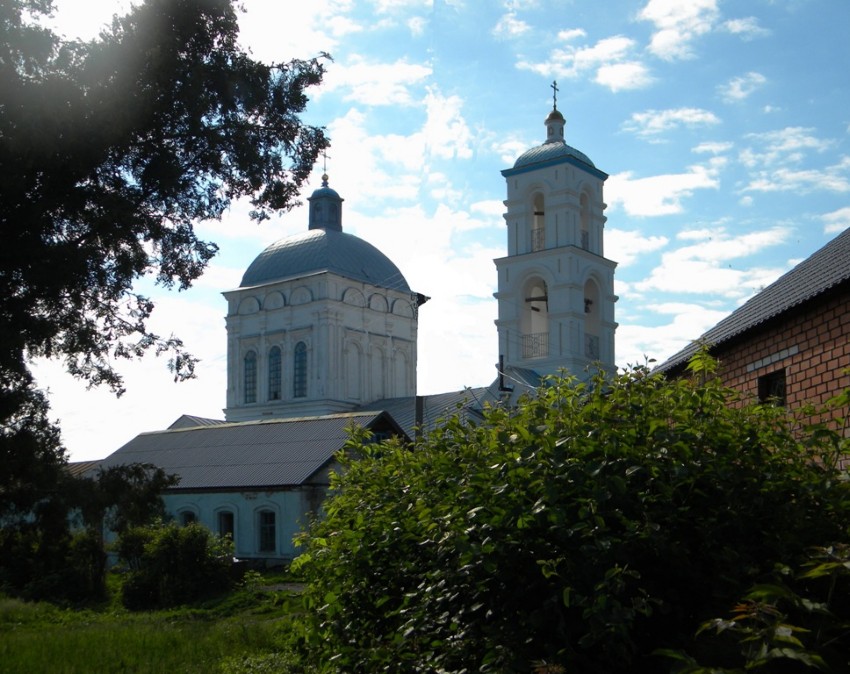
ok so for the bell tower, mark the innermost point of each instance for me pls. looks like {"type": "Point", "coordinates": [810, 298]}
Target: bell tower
{"type": "Point", "coordinates": [555, 286]}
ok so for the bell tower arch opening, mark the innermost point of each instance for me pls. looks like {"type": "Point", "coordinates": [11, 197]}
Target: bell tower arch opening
{"type": "Point", "coordinates": [538, 223]}
{"type": "Point", "coordinates": [584, 218]}
{"type": "Point", "coordinates": [592, 320]}
{"type": "Point", "coordinates": [534, 325]}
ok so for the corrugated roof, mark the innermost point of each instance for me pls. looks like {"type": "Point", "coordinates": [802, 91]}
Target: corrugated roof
{"type": "Point", "coordinates": [434, 407]}
{"type": "Point", "coordinates": [80, 468]}
{"type": "Point", "coordinates": [279, 453]}
{"type": "Point", "coordinates": [825, 269]}
{"type": "Point", "coordinates": [548, 151]}
{"type": "Point", "coordinates": [191, 421]}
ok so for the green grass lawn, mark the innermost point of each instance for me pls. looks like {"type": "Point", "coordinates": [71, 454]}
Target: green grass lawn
{"type": "Point", "coordinates": [214, 637]}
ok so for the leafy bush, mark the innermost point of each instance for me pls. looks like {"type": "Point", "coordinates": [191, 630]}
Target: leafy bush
{"type": "Point", "coordinates": [798, 622]}
{"type": "Point", "coordinates": [586, 530]}
{"type": "Point", "coordinates": [171, 565]}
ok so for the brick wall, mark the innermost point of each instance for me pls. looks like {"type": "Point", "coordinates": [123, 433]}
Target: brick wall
{"type": "Point", "coordinates": [812, 345]}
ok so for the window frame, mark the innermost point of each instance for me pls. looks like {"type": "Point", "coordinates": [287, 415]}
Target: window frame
{"type": "Point", "coordinates": [266, 530]}
{"type": "Point", "coordinates": [275, 368]}
{"type": "Point", "coordinates": [299, 371]}
{"type": "Point", "coordinates": [249, 377]}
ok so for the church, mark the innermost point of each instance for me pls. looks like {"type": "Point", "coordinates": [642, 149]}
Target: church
{"type": "Point", "coordinates": [322, 335]}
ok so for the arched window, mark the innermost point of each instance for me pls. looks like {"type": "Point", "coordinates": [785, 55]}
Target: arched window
{"type": "Point", "coordinates": [538, 226]}
{"type": "Point", "coordinates": [535, 319]}
{"type": "Point", "coordinates": [266, 531]}
{"type": "Point", "coordinates": [299, 371]}
{"type": "Point", "coordinates": [187, 517]}
{"type": "Point", "coordinates": [274, 373]}
{"type": "Point", "coordinates": [226, 524]}
{"type": "Point", "coordinates": [591, 320]}
{"type": "Point", "coordinates": [250, 377]}
{"type": "Point", "coordinates": [585, 220]}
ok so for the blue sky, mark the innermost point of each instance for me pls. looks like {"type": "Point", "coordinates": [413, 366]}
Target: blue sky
{"type": "Point", "coordinates": [724, 127]}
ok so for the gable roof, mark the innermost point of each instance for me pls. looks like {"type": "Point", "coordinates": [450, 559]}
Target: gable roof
{"type": "Point", "coordinates": [823, 271]}
{"type": "Point", "coordinates": [249, 455]}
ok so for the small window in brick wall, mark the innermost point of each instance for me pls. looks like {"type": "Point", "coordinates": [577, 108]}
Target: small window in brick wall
{"type": "Point", "coordinates": [772, 388]}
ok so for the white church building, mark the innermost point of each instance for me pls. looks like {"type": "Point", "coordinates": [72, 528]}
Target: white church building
{"type": "Point", "coordinates": [322, 334]}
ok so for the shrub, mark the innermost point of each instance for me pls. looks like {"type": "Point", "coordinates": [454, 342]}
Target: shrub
{"type": "Point", "coordinates": [585, 530]}
{"type": "Point", "coordinates": [171, 565]}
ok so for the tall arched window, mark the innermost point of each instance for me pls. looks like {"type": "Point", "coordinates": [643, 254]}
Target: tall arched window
{"type": "Point", "coordinates": [592, 320]}
{"type": "Point", "coordinates": [299, 371]}
{"type": "Point", "coordinates": [538, 226]}
{"type": "Point", "coordinates": [266, 530]}
{"type": "Point", "coordinates": [535, 319]}
{"type": "Point", "coordinates": [274, 373]}
{"type": "Point", "coordinates": [250, 377]}
{"type": "Point", "coordinates": [584, 204]}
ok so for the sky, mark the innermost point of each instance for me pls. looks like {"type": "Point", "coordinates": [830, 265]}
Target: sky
{"type": "Point", "coordinates": [724, 127]}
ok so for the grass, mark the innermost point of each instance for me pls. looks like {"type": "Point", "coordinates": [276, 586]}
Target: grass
{"type": "Point", "coordinates": [39, 637]}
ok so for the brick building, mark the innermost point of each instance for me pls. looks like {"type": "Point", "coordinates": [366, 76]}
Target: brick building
{"type": "Point", "coordinates": [791, 341]}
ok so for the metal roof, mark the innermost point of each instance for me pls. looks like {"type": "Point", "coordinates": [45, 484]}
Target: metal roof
{"type": "Point", "coordinates": [321, 250]}
{"type": "Point", "coordinates": [551, 150]}
{"type": "Point", "coordinates": [435, 408]}
{"type": "Point", "coordinates": [254, 454]}
{"type": "Point", "coordinates": [825, 269]}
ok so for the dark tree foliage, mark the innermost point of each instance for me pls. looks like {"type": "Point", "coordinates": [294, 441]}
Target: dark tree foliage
{"type": "Point", "coordinates": [594, 528]}
{"type": "Point", "coordinates": [111, 150]}
{"type": "Point", "coordinates": [54, 547]}
{"type": "Point", "coordinates": [171, 565]}
{"type": "Point", "coordinates": [121, 497]}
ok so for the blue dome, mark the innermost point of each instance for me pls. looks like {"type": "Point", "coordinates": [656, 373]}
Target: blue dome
{"type": "Point", "coordinates": [549, 151]}
{"type": "Point", "coordinates": [324, 250]}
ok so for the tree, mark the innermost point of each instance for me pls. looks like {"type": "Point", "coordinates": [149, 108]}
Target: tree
{"type": "Point", "coordinates": [52, 539]}
{"type": "Point", "coordinates": [171, 565]}
{"type": "Point", "coordinates": [593, 528]}
{"type": "Point", "coordinates": [111, 150]}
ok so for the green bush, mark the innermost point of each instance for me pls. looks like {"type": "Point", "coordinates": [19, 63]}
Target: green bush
{"type": "Point", "coordinates": [171, 565]}
{"type": "Point", "coordinates": [588, 529]}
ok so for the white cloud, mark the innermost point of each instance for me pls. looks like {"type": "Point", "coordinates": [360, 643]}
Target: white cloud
{"type": "Point", "coordinates": [492, 208]}
{"type": "Point", "coordinates": [611, 58]}
{"type": "Point", "coordinates": [509, 149]}
{"type": "Point", "coordinates": [624, 76]}
{"type": "Point", "coordinates": [836, 221]}
{"type": "Point", "coordinates": [748, 27]}
{"type": "Point", "coordinates": [705, 266]}
{"type": "Point", "coordinates": [779, 146]}
{"type": "Point", "coordinates": [446, 132]}
{"type": "Point", "coordinates": [571, 34]}
{"type": "Point", "coordinates": [677, 25]}
{"type": "Point", "coordinates": [659, 342]}
{"type": "Point", "coordinates": [651, 123]}
{"type": "Point", "coordinates": [710, 147]}
{"type": "Point", "coordinates": [624, 247]}
{"type": "Point", "coordinates": [658, 195]}
{"type": "Point", "coordinates": [510, 26]}
{"type": "Point", "coordinates": [834, 178]}
{"type": "Point", "coordinates": [739, 88]}
{"type": "Point", "coordinates": [376, 84]}
{"type": "Point", "coordinates": [417, 25]}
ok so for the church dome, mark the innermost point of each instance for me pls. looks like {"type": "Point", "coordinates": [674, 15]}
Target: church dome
{"type": "Point", "coordinates": [554, 148]}
{"type": "Point", "coordinates": [324, 250]}
{"type": "Point", "coordinates": [548, 151]}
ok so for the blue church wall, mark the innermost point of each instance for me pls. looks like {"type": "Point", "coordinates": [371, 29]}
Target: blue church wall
{"type": "Point", "coordinates": [262, 523]}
